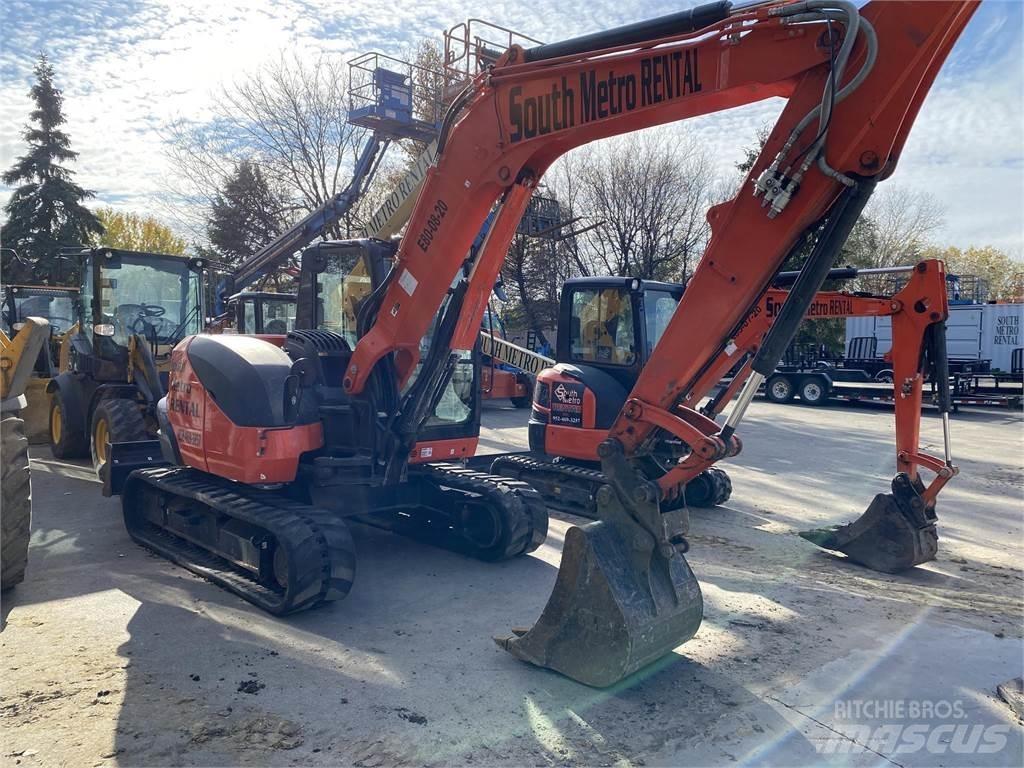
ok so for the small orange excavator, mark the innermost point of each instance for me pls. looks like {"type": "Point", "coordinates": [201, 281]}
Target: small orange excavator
{"type": "Point", "coordinates": [270, 449]}
{"type": "Point", "coordinates": [609, 327]}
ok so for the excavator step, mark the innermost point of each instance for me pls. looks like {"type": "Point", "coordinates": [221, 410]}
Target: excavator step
{"type": "Point", "coordinates": [279, 554]}
{"type": "Point", "coordinates": [571, 488]}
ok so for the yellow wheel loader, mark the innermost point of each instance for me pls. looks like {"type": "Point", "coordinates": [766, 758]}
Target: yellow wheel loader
{"type": "Point", "coordinates": [18, 356]}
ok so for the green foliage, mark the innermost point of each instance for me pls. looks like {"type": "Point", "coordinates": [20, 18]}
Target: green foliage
{"type": "Point", "coordinates": [45, 212]}
{"type": "Point", "coordinates": [1003, 274]}
{"type": "Point", "coordinates": [245, 215]}
{"type": "Point", "coordinates": [133, 232]}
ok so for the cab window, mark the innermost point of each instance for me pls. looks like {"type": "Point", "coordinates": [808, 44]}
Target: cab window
{"type": "Point", "coordinates": [659, 306]}
{"type": "Point", "coordinates": [249, 319]}
{"type": "Point", "coordinates": [602, 327]}
{"type": "Point", "coordinates": [278, 316]}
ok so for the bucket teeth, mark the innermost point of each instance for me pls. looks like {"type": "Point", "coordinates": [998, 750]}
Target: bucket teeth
{"type": "Point", "coordinates": [896, 532]}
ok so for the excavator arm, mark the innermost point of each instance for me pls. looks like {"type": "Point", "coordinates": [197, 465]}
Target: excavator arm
{"type": "Point", "coordinates": [853, 81]}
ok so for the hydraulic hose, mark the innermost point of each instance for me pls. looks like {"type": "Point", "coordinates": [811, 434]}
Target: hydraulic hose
{"type": "Point", "coordinates": [815, 270]}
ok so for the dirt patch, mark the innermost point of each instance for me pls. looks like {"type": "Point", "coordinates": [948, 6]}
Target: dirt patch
{"type": "Point", "coordinates": [250, 686]}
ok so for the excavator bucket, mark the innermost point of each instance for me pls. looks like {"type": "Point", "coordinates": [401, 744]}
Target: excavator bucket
{"type": "Point", "coordinates": [896, 532]}
{"type": "Point", "coordinates": [624, 597]}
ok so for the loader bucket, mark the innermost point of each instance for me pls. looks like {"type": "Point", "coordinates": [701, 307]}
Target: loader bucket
{"type": "Point", "coordinates": [896, 532]}
{"type": "Point", "coordinates": [624, 596]}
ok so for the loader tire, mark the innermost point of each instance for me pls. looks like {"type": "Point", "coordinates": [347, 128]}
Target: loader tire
{"type": "Point", "coordinates": [16, 515]}
{"type": "Point", "coordinates": [67, 440]}
{"type": "Point", "coordinates": [521, 402]}
{"type": "Point", "coordinates": [114, 421]}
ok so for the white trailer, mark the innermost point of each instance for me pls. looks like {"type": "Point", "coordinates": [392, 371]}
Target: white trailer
{"type": "Point", "coordinates": [973, 332]}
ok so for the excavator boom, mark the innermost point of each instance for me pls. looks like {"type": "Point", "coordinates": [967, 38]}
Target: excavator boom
{"type": "Point", "coordinates": [854, 81]}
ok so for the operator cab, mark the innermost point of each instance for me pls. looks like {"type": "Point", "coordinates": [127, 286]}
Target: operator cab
{"type": "Point", "coordinates": [125, 293]}
{"type": "Point", "coordinates": [55, 304]}
{"type": "Point", "coordinates": [335, 280]}
{"type": "Point", "coordinates": [607, 330]}
{"type": "Point", "coordinates": [262, 312]}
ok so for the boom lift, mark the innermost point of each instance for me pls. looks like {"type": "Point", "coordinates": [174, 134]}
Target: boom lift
{"type": "Point", "coordinates": [384, 98]}
{"type": "Point", "coordinates": [271, 453]}
{"type": "Point", "coordinates": [608, 329]}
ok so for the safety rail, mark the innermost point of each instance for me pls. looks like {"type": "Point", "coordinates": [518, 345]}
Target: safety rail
{"type": "Point", "coordinates": [474, 45]}
{"type": "Point", "coordinates": [395, 98]}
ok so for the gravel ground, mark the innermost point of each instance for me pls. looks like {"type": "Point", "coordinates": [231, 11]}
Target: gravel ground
{"type": "Point", "coordinates": [112, 656]}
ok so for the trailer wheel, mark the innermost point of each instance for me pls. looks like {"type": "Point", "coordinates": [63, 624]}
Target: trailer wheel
{"type": "Point", "coordinates": [16, 485]}
{"type": "Point", "coordinates": [67, 440]}
{"type": "Point", "coordinates": [779, 389]}
{"type": "Point", "coordinates": [117, 420]}
{"type": "Point", "coordinates": [814, 391]}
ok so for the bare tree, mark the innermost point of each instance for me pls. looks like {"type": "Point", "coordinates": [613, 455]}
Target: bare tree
{"type": "Point", "coordinates": [899, 225]}
{"type": "Point", "coordinates": [289, 117]}
{"type": "Point", "coordinates": [651, 191]}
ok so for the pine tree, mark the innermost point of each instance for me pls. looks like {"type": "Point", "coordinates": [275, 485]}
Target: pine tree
{"type": "Point", "coordinates": [45, 213]}
{"type": "Point", "coordinates": [245, 216]}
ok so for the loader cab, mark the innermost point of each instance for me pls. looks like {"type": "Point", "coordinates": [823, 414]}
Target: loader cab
{"type": "Point", "coordinates": [336, 279]}
{"type": "Point", "coordinates": [55, 304]}
{"type": "Point", "coordinates": [125, 293]}
{"type": "Point", "coordinates": [262, 312]}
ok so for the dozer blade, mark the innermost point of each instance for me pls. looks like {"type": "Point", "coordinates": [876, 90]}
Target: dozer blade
{"type": "Point", "coordinates": [624, 597]}
{"type": "Point", "coordinates": [896, 532]}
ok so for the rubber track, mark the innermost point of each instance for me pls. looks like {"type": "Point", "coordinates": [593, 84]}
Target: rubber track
{"type": "Point", "coordinates": [320, 547]}
{"type": "Point", "coordinates": [521, 510]}
{"type": "Point", "coordinates": [529, 470]}
{"type": "Point", "coordinates": [582, 480]}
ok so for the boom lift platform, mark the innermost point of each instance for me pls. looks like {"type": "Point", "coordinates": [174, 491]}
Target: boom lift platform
{"type": "Point", "coordinates": [276, 447]}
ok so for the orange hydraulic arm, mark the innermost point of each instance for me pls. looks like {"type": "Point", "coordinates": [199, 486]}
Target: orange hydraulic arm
{"type": "Point", "coordinates": [854, 83]}
{"type": "Point", "coordinates": [919, 305]}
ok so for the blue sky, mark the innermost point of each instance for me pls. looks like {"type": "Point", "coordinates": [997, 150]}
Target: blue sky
{"type": "Point", "coordinates": [129, 67]}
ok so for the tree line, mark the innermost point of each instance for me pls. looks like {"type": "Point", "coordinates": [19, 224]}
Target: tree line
{"type": "Point", "coordinates": [280, 144]}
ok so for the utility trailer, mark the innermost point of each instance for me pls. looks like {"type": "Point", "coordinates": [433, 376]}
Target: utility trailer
{"type": "Point", "coordinates": [824, 384]}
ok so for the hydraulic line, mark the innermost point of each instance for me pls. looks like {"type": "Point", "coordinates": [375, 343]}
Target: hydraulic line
{"type": "Point", "coordinates": [813, 273]}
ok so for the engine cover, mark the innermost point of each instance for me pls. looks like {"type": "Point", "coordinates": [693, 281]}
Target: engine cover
{"type": "Point", "coordinates": [226, 406]}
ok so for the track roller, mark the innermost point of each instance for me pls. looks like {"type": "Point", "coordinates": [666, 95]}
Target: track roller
{"type": "Point", "coordinates": [571, 488]}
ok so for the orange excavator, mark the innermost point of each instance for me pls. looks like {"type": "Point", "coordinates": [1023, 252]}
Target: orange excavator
{"type": "Point", "coordinates": [270, 449]}
{"type": "Point", "coordinates": [610, 326]}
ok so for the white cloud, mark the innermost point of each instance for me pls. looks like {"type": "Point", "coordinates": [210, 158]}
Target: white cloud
{"type": "Point", "coordinates": [129, 67]}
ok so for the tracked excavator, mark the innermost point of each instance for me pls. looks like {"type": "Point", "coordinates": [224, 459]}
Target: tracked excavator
{"type": "Point", "coordinates": [270, 450]}
{"type": "Point", "coordinates": [610, 326]}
